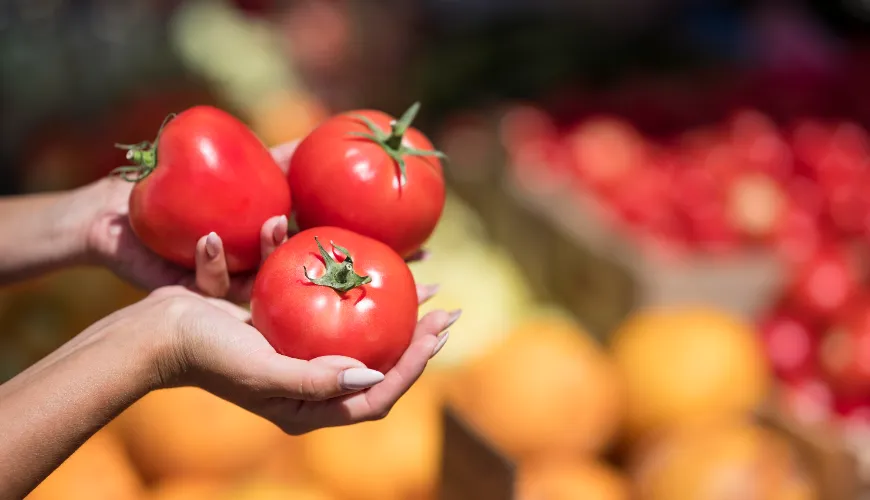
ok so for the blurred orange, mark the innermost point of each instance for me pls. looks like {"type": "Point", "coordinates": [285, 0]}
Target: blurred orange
{"type": "Point", "coordinates": [685, 364]}
{"type": "Point", "coordinates": [189, 432]}
{"type": "Point", "coordinates": [186, 489]}
{"type": "Point", "coordinates": [270, 490]}
{"type": "Point", "coordinates": [549, 388]}
{"type": "Point", "coordinates": [99, 470]}
{"type": "Point", "coordinates": [570, 479]}
{"type": "Point", "coordinates": [283, 462]}
{"type": "Point", "coordinates": [396, 458]}
{"type": "Point", "coordinates": [716, 461]}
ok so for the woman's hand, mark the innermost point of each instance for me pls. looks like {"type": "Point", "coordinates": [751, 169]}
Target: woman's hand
{"type": "Point", "coordinates": [110, 241]}
{"type": "Point", "coordinates": [175, 337]}
{"type": "Point", "coordinates": [208, 343]}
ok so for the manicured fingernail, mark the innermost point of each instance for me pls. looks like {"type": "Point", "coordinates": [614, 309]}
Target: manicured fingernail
{"type": "Point", "coordinates": [280, 231]}
{"type": "Point", "coordinates": [212, 245]}
{"type": "Point", "coordinates": [355, 379]}
{"type": "Point", "coordinates": [454, 315]}
{"type": "Point", "coordinates": [442, 339]}
{"type": "Point", "coordinates": [426, 292]}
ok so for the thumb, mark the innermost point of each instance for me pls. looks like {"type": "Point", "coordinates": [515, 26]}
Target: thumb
{"type": "Point", "coordinates": [319, 379]}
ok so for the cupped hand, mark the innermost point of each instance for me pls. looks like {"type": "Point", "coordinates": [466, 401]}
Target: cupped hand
{"type": "Point", "coordinates": [112, 242]}
{"type": "Point", "coordinates": [208, 343]}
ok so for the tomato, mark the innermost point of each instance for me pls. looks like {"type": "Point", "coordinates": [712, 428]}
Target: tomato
{"type": "Point", "coordinates": [329, 291]}
{"type": "Point", "coordinates": [825, 284]}
{"type": "Point", "coordinates": [845, 353]}
{"type": "Point", "coordinates": [364, 172]}
{"type": "Point", "coordinates": [208, 173]}
{"type": "Point", "coordinates": [790, 344]}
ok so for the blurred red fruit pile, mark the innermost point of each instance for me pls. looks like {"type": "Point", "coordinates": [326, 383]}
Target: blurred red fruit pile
{"type": "Point", "coordinates": [743, 182]}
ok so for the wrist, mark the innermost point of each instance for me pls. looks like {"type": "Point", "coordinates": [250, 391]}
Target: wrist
{"type": "Point", "coordinates": [146, 351]}
{"type": "Point", "coordinates": [77, 212]}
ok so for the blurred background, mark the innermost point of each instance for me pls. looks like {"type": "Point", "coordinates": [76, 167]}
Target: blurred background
{"type": "Point", "coordinates": [656, 228]}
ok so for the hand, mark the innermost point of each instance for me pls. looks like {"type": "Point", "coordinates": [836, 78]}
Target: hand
{"type": "Point", "coordinates": [207, 343]}
{"type": "Point", "coordinates": [111, 241]}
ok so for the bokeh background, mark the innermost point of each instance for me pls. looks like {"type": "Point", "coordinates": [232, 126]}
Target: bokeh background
{"type": "Point", "coordinates": [656, 226]}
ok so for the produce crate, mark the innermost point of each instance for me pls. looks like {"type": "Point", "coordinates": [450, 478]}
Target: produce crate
{"type": "Point", "coordinates": [473, 469]}
{"type": "Point", "coordinates": [572, 257]}
{"type": "Point", "coordinates": [578, 261]}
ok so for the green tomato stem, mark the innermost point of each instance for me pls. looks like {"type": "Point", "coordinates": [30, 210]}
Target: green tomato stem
{"type": "Point", "coordinates": [142, 155]}
{"type": "Point", "coordinates": [340, 276]}
{"type": "Point", "coordinates": [392, 142]}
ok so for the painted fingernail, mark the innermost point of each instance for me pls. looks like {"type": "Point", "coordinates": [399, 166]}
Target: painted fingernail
{"type": "Point", "coordinates": [426, 292]}
{"type": "Point", "coordinates": [354, 379]}
{"type": "Point", "coordinates": [453, 317]}
{"type": "Point", "coordinates": [212, 245]}
{"type": "Point", "coordinates": [442, 339]}
{"type": "Point", "coordinates": [280, 231]}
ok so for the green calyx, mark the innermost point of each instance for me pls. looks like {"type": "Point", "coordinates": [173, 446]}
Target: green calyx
{"type": "Point", "coordinates": [142, 155]}
{"type": "Point", "coordinates": [339, 276]}
{"type": "Point", "coordinates": [391, 141]}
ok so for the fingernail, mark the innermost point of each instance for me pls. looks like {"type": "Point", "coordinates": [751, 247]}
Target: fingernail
{"type": "Point", "coordinates": [212, 245]}
{"type": "Point", "coordinates": [454, 315]}
{"type": "Point", "coordinates": [427, 292]}
{"type": "Point", "coordinates": [355, 379]}
{"type": "Point", "coordinates": [442, 339]}
{"type": "Point", "coordinates": [280, 231]}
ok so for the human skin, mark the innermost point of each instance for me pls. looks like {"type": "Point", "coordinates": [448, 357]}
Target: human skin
{"type": "Point", "coordinates": [174, 337]}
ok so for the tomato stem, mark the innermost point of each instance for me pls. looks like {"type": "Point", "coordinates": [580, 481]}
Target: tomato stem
{"type": "Point", "coordinates": [392, 142]}
{"type": "Point", "coordinates": [400, 126]}
{"type": "Point", "coordinates": [339, 276]}
{"type": "Point", "coordinates": [142, 155]}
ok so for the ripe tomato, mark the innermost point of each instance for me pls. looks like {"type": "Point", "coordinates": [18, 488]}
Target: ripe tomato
{"type": "Point", "coordinates": [790, 344]}
{"type": "Point", "coordinates": [329, 291]}
{"type": "Point", "coordinates": [208, 173]}
{"type": "Point", "coordinates": [825, 284]}
{"type": "Point", "coordinates": [844, 354]}
{"type": "Point", "coordinates": [365, 172]}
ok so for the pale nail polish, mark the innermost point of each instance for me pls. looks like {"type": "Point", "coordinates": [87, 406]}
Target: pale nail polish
{"type": "Point", "coordinates": [453, 317]}
{"type": "Point", "coordinates": [280, 231]}
{"type": "Point", "coordinates": [212, 245]}
{"type": "Point", "coordinates": [442, 339]}
{"type": "Point", "coordinates": [355, 379]}
{"type": "Point", "coordinates": [427, 292]}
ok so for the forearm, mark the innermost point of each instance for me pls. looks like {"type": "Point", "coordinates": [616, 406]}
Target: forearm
{"type": "Point", "coordinates": [39, 233]}
{"type": "Point", "coordinates": [52, 408]}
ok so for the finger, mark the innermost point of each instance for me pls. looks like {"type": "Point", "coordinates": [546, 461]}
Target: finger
{"type": "Point", "coordinates": [426, 292]}
{"type": "Point", "coordinates": [316, 380]}
{"type": "Point", "coordinates": [235, 311]}
{"type": "Point", "coordinates": [419, 256]}
{"type": "Point", "coordinates": [272, 235]}
{"type": "Point", "coordinates": [376, 402]}
{"type": "Point", "coordinates": [282, 154]}
{"type": "Point", "coordinates": [212, 276]}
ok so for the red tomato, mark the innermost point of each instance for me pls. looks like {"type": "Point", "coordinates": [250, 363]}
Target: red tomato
{"type": "Point", "coordinates": [790, 344]}
{"type": "Point", "coordinates": [844, 354]}
{"type": "Point", "coordinates": [362, 172]}
{"type": "Point", "coordinates": [823, 285]}
{"type": "Point", "coordinates": [208, 173]}
{"type": "Point", "coordinates": [353, 296]}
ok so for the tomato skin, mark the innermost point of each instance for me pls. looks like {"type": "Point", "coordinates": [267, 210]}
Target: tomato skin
{"type": "Point", "coordinates": [341, 180]}
{"type": "Point", "coordinates": [372, 323]}
{"type": "Point", "coordinates": [212, 174]}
